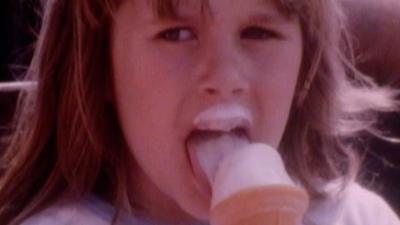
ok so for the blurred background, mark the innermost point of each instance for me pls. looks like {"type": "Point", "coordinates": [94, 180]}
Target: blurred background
{"type": "Point", "coordinates": [375, 30]}
{"type": "Point", "coordinates": [19, 24]}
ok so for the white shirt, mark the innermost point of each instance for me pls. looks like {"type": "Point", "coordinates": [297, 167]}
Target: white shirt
{"type": "Point", "coordinates": [355, 206]}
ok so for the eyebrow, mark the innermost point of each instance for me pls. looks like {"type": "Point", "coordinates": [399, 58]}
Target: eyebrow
{"type": "Point", "coordinates": [264, 18]}
{"type": "Point", "coordinates": [259, 18]}
{"type": "Point", "coordinates": [169, 10]}
{"type": "Point", "coordinates": [172, 14]}
{"type": "Point", "coordinates": [176, 18]}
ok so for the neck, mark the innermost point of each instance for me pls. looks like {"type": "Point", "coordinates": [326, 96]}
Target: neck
{"type": "Point", "coordinates": [152, 203]}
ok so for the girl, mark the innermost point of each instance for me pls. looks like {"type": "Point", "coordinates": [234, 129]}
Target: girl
{"type": "Point", "coordinates": [131, 92]}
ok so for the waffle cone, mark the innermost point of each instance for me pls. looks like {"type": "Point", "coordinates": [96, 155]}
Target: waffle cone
{"type": "Point", "coordinates": [266, 205]}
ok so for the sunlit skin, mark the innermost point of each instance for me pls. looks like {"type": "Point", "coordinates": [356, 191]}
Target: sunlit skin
{"type": "Point", "coordinates": [167, 71]}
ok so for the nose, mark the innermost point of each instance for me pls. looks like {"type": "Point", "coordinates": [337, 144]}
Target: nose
{"type": "Point", "coordinates": [223, 76]}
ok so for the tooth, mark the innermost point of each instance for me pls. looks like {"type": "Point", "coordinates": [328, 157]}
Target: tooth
{"type": "Point", "coordinates": [223, 117]}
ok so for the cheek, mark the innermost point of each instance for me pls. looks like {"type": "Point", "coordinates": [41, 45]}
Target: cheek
{"type": "Point", "coordinates": [149, 92]}
{"type": "Point", "coordinates": [145, 103]}
{"type": "Point", "coordinates": [275, 91]}
{"type": "Point", "coordinates": [145, 79]}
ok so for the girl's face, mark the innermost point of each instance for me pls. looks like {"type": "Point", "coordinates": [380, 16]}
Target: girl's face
{"type": "Point", "coordinates": [168, 70]}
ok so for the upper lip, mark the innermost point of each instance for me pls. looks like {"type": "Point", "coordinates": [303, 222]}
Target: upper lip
{"type": "Point", "coordinates": [224, 118]}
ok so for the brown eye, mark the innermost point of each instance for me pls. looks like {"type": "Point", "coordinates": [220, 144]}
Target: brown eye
{"type": "Point", "coordinates": [177, 34]}
{"type": "Point", "coordinates": [258, 33]}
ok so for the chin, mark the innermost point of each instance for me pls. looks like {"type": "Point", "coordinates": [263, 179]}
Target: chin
{"type": "Point", "coordinates": [197, 213]}
{"type": "Point", "coordinates": [196, 207]}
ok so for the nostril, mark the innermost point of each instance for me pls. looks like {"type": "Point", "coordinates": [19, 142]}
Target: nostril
{"type": "Point", "coordinates": [237, 91]}
{"type": "Point", "coordinates": [211, 91]}
{"type": "Point", "coordinates": [224, 86]}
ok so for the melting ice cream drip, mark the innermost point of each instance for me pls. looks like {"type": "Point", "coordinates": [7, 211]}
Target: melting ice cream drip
{"type": "Point", "coordinates": [220, 131]}
{"type": "Point", "coordinates": [223, 118]}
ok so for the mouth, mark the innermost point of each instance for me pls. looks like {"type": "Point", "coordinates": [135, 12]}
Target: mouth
{"type": "Point", "coordinates": [216, 132]}
{"type": "Point", "coordinates": [206, 148]}
{"type": "Point", "coordinates": [200, 135]}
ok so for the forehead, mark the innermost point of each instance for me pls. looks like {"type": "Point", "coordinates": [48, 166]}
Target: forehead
{"type": "Point", "coordinates": [173, 8]}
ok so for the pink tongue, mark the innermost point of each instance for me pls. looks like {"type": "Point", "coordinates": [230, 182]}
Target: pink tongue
{"type": "Point", "coordinates": [207, 150]}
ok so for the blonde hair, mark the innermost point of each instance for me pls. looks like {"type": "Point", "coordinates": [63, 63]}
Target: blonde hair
{"type": "Point", "coordinates": [67, 140]}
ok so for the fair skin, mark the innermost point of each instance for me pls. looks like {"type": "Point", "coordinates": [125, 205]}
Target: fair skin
{"type": "Point", "coordinates": [168, 71]}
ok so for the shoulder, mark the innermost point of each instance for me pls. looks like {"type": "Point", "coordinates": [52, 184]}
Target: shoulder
{"type": "Point", "coordinates": [353, 205]}
{"type": "Point", "coordinates": [363, 207]}
{"type": "Point", "coordinates": [80, 212]}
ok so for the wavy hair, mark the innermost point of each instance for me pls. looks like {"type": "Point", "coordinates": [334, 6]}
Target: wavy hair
{"type": "Point", "coordinates": [67, 141]}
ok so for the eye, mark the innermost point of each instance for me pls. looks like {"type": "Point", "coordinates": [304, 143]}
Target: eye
{"type": "Point", "coordinates": [259, 33]}
{"type": "Point", "coordinates": [177, 34]}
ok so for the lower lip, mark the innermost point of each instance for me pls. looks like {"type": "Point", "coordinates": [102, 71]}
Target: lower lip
{"type": "Point", "coordinates": [199, 174]}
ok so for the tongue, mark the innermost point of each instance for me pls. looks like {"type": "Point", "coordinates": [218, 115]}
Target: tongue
{"type": "Point", "coordinates": [207, 149]}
